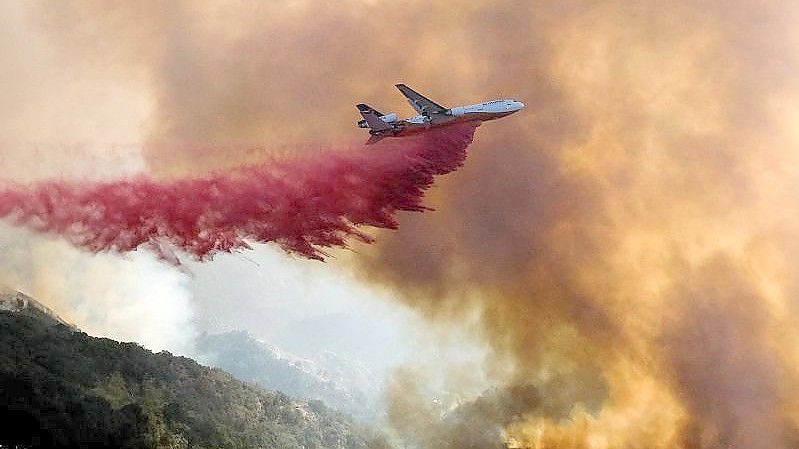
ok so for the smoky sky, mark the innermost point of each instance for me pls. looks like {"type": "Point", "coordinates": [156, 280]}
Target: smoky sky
{"type": "Point", "coordinates": [635, 223]}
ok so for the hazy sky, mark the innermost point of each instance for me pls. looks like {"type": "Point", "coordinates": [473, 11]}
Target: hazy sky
{"type": "Point", "coordinates": [82, 103]}
{"type": "Point", "coordinates": [301, 306]}
{"type": "Point", "coordinates": [624, 249]}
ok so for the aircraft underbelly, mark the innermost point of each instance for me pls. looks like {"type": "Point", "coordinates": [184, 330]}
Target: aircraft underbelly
{"type": "Point", "coordinates": [410, 128]}
{"type": "Point", "coordinates": [484, 116]}
{"type": "Point", "coordinates": [416, 128]}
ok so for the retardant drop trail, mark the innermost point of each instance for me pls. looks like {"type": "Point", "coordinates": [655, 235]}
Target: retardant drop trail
{"type": "Point", "coordinates": [304, 204]}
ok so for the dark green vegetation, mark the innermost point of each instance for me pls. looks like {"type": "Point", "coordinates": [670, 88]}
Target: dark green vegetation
{"type": "Point", "coordinates": [64, 388]}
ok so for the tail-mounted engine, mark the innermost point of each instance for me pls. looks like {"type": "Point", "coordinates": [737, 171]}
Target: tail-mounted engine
{"type": "Point", "coordinates": [389, 118]}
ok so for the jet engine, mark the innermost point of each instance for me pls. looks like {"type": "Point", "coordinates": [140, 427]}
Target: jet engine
{"type": "Point", "coordinates": [389, 118]}
{"type": "Point", "coordinates": [457, 112]}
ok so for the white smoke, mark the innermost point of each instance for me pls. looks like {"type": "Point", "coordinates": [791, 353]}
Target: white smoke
{"type": "Point", "coordinates": [60, 119]}
{"type": "Point", "coordinates": [132, 298]}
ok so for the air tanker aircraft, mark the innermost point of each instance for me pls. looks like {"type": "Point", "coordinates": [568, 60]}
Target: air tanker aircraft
{"type": "Point", "coordinates": [431, 115]}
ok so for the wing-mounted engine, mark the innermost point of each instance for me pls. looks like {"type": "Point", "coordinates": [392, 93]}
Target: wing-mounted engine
{"type": "Point", "coordinates": [457, 112]}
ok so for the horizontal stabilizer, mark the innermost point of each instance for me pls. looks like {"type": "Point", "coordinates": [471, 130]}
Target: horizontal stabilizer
{"type": "Point", "coordinates": [372, 118]}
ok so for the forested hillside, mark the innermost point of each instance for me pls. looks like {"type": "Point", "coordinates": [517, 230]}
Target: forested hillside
{"type": "Point", "coordinates": [63, 388]}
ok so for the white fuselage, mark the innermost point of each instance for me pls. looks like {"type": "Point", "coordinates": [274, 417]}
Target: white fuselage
{"type": "Point", "coordinates": [480, 112]}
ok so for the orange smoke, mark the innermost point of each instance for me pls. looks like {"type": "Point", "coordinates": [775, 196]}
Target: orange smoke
{"type": "Point", "coordinates": [629, 241]}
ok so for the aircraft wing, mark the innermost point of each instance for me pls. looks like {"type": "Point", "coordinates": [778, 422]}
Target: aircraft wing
{"type": "Point", "coordinates": [423, 105]}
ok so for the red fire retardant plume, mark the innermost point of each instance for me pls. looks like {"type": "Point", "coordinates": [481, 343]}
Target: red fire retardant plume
{"type": "Point", "coordinates": [304, 204]}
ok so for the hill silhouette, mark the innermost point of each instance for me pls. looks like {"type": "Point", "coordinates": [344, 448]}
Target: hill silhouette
{"type": "Point", "coordinates": [60, 387]}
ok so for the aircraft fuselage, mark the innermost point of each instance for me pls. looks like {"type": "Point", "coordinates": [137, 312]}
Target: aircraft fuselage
{"type": "Point", "coordinates": [480, 112]}
{"type": "Point", "coordinates": [431, 115]}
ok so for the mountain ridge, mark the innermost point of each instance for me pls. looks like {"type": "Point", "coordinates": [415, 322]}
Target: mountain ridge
{"type": "Point", "coordinates": [17, 302]}
{"type": "Point", "coordinates": [338, 382]}
{"type": "Point", "coordinates": [63, 388]}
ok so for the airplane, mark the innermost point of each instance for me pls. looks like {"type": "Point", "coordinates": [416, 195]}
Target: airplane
{"type": "Point", "coordinates": [431, 115]}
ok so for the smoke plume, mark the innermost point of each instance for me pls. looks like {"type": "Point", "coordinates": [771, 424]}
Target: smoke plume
{"type": "Point", "coordinates": [303, 205]}
{"type": "Point", "coordinates": [635, 226]}
{"type": "Point", "coordinates": [60, 120]}
{"type": "Point", "coordinates": [643, 230]}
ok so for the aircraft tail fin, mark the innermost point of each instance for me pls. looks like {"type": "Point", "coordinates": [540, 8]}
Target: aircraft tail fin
{"type": "Point", "coordinates": [372, 118]}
